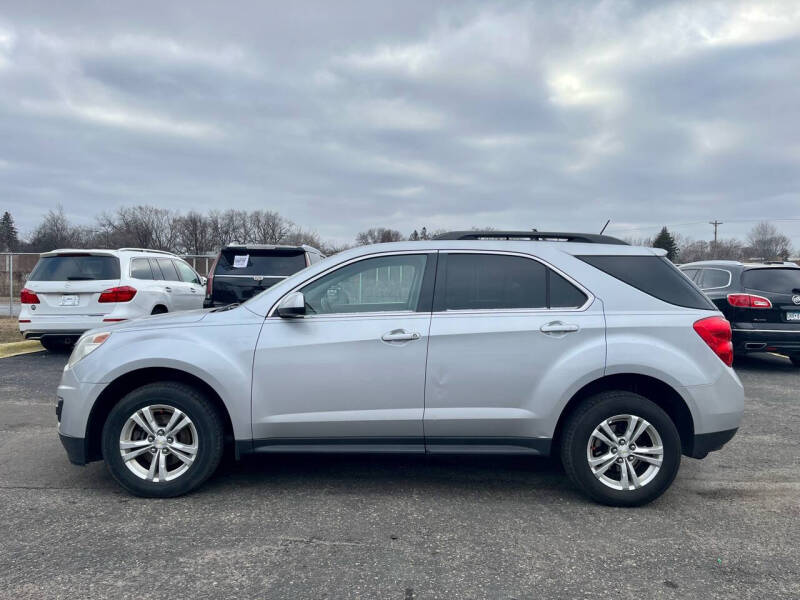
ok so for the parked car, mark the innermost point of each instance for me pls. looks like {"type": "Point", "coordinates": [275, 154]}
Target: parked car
{"type": "Point", "coordinates": [241, 271]}
{"type": "Point", "coordinates": [761, 300]}
{"type": "Point", "coordinates": [586, 348]}
{"type": "Point", "coordinates": [70, 291]}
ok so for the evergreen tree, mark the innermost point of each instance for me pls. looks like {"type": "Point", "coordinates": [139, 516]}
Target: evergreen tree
{"type": "Point", "coordinates": [665, 241]}
{"type": "Point", "coordinates": [8, 233]}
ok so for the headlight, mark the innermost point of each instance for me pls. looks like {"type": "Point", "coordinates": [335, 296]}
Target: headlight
{"type": "Point", "coordinates": [86, 345]}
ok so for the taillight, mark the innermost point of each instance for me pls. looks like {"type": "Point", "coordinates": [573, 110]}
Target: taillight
{"type": "Point", "coordinates": [123, 293]}
{"type": "Point", "coordinates": [748, 301]}
{"type": "Point", "coordinates": [28, 297]}
{"type": "Point", "coordinates": [210, 277]}
{"type": "Point", "coordinates": [716, 332]}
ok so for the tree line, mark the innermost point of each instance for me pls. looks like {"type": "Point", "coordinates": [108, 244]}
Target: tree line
{"type": "Point", "coordinates": [193, 232]}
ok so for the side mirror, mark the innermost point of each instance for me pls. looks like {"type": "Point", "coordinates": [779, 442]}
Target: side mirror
{"type": "Point", "coordinates": [203, 280]}
{"type": "Point", "coordinates": [293, 306]}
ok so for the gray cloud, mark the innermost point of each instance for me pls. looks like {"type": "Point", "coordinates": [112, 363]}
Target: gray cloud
{"type": "Point", "coordinates": [348, 115]}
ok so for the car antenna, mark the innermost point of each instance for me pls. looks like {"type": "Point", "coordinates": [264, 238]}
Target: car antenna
{"type": "Point", "coordinates": [604, 227]}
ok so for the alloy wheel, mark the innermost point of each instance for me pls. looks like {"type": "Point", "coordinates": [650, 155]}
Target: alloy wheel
{"type": "Point", "coordinates": [158, 443]}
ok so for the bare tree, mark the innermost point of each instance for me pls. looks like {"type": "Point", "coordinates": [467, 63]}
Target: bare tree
{"type": "Point", "coordinates": [378, 235]}
{"type": "Point", "coordinates": [268, 227]}
{"type": "Point", "coordinates": [55, 231]}
{"type": "Point", "coordinates": [193, 233]}
{"type": "Point", "coordinates": [766, 242]}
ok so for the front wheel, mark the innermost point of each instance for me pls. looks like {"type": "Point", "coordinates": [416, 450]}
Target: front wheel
{"type": "Point", "coordinates": [162, 440]}
{"type": "Point", "coordinates": [621, 449]}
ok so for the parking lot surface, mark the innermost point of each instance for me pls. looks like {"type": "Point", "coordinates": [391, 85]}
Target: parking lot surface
{"type": "Point", "coordinates": [395, 526]}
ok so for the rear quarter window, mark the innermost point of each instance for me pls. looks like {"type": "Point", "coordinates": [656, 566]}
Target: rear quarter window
{"type": "Point", "coordinates": [777, 280]}
{"type": "Point", "coordinates": [75, 267]}
{"type": "Point", "coordinates": [653, 275]}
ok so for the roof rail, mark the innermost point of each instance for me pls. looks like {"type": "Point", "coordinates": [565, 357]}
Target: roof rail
{"type": "Point", "coordinates": [147, 250]}
{"type": "Point", "coordinates": [537, 236]}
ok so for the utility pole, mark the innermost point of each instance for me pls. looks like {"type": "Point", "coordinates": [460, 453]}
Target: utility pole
{"type": "Point", "coordinates": [716, 224]}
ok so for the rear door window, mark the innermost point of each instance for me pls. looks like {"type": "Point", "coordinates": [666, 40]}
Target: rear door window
{"type": "Point", "coordinates": [75, 267]}
{"type": "Point", "coordinates": [715, 278]}
{"type": "Point", "coordinates": [168, 269]}
{"type": "Point", "coordinates": [275, 263]}
{"type": "Point", "coordinates": [493, 281]}
{"type": "Point", "coordinates": [776, 280]}
{"type": "Point", "coordinates": [563, 294]}
{"type": "Point", "coordinates": [140, 269]}
{"type": "Point", "coordinates": [691, 273]}
{"type": "Point", "coordinates": [653, 275]}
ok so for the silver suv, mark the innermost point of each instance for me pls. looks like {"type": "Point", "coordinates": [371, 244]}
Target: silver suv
{"type": "Point", "coordinates": [477, 342]}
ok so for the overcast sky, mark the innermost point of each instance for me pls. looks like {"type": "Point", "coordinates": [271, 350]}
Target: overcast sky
{"type": "Point", "coordinates": [348, 115]}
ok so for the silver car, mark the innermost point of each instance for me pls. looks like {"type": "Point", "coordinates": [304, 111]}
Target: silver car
{"type": "Point", "coordinates": [477, 342]}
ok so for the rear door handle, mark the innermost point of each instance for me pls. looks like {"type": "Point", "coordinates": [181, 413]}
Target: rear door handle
{"type": "Point", "coordinates": [558, 327]}
{"type": "Point", "coordinates": [400, 335]}
{"type": "Point", "coordinates": [168, 289]}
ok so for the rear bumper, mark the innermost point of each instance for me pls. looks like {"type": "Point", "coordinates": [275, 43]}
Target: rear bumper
{"type": "Point", "coordinates": [766, 340]}
{"type": "Point", "coordinates": [76, 448]}
{"type": "Point", "coordinates": [38, 335]}
{"type": "Point", "coordinates": [704, 443]}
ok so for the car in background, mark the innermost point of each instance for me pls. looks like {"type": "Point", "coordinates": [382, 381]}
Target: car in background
{"type": "Point", "coordinates": [487, 342]}
{"type": "Point", "coordinates": [71, 291]}
{"type": "Point", "coordinates": [241, 271]}
{"type": "Point", "coordinates": [761, 300]}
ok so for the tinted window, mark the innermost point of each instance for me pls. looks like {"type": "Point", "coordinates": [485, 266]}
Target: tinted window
{"type": "Point", "coordinates": [385, 283]}
{"type": "Point", "coordinates": [772, 280]}
{"type": "Point", "coordinates": [653, 275]}
{"type": "Point", "coordinates": [75, 267]}
{"type": "Point", "coordinates": [715, 278]}
{"type": "Point", "coordinates": [157, 274]}
{"type": "Point", "coordinates": [563, 294]}
{"type": "Point", "coordinates": [690, 273]}
{"type": "Point", "coordinates": [260, 262]}
{"type": "Point", "coordinates": [168, 269]}
{"type": "Point", "coordinates": [186, 272]}
{"type": "Point", "coordinates": [493, 281]}
{"type": "Point", "coordinates": [140, 269]}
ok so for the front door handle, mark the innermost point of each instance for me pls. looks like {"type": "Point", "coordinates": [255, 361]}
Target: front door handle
{"type": "Point", "coordinates": [400, 335]}
{"type": "Point", "coordinates": [558, 327]}
{"type": "Point", "coordinates": [168, 289]}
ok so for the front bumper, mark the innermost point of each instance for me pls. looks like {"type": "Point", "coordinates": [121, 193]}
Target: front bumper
{"type": "Point", "coordinates": [77, 449]}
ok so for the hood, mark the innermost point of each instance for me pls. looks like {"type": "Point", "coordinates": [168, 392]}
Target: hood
{"type": "Point", "coordinates": [158, 321]}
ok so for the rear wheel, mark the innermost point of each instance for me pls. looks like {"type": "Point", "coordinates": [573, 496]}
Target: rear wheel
{"type": "Point", "coordinates": [795, 360]}
{"type": "Point", "coordinates": [162, 440]}
{"type": "Point", "coordinates": [621, 449]}
{"type": "Point", "coordinates": [57, 344]}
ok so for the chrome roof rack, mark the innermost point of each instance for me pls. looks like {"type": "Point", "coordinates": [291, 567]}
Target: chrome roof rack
{"type": "Point", "coordinates": [147, 250]}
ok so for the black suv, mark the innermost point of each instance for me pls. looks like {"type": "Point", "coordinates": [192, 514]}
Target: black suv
{"type": "Point", "coordinates": [243, 270]}
{"type": "Point", "coordinates": [761, 300]}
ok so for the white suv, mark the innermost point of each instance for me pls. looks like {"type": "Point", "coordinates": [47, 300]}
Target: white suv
{"type": "Point", "coordinates": [70, 291]}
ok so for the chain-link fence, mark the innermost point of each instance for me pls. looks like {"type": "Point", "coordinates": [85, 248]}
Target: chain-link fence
{"type": "Point", "coordinates": [15, 267]}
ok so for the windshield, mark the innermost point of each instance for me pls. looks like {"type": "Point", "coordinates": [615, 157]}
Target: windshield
{"type": "Point", "coordinates": [75, 267]}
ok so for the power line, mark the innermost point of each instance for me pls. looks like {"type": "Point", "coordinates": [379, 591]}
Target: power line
{"type": "Point", "coordinates": [624, 229]}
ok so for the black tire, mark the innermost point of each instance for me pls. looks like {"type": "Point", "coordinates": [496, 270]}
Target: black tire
{"type": "Point", "coordinates": [795, 360]}
{"type": "Point", "coordinates": [194, 405]}
{"type": "Point", "coordinates": [57, 344]}
{"type": "Point", "coordinates": [578, 431]}
{"type": "Point", "coordinates": [159, 310]}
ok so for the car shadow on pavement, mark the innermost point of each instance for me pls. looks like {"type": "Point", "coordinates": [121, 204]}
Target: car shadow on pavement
{"type": "Point", "coordinates": [376, 473]}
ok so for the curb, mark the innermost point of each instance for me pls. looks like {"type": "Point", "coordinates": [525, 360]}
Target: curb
{"type": "Point", "coordinates": [16, 348]}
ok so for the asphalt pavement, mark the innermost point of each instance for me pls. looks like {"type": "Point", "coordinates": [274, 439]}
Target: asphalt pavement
{"type": "Point", "coordinates": [399, 526]}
